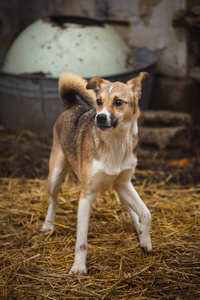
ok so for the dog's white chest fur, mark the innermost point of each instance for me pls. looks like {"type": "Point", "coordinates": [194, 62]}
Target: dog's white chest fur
{"type": "Point", "coordinates": [106, 171]}
{"type": "Point", "coordinates": [104, 176]}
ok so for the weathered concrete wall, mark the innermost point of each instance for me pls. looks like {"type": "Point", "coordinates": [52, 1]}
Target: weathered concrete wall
{"type": "Point", "coordinates": [150, 26]}
{"type": "Point", "coordinates": [169, 43]}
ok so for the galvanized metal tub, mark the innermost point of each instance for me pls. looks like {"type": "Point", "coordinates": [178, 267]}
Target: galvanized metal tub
{"type": "Point", "coordinates": [31, 102]}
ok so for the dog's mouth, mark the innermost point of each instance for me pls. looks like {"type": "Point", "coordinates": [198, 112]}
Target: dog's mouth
{"type": "Point", "coordinates": [104, 128]}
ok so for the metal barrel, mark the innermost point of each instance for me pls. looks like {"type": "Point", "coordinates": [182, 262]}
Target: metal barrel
{"type": "Point", "coordinates": [31, 102]}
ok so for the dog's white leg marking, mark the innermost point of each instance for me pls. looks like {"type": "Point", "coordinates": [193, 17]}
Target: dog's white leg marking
{"type": "Point", "coordinates": [55, 179]}
{"type": "Point", "coordinates": [134, 217]}
{"type": "Point", "coordinates": [128, 195]}
{"type": "Point", "coordinates": [51, 213]}
{"type": "Point", "coordinates": [84, 211]}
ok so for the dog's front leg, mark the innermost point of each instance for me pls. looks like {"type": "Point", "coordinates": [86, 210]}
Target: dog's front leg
{"type": "Point", "coordinates": [130, 197]}
{"type": "Point", "coordinates": [84, 211]}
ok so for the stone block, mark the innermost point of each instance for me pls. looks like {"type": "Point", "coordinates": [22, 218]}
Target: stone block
{"type": "Point", "coordinates": [181, 95]}
{"type": "Point", "coordinates": [164, 118]}
{"type": "Point", "coordinates": [165, 137]}
{"type": "Point", "coordinates": [164, 133]}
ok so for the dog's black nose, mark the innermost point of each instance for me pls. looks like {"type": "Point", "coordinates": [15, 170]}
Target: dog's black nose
{"type": "Point", "coordinates": [101, 118]}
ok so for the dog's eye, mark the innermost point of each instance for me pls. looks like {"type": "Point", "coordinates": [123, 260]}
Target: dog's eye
{"type": "Point", "coordinates": [119, 102]}
{"type": "Point", "coordinates": [99, 102]}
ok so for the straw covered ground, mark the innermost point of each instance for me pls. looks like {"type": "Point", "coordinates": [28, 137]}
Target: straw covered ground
{"type": "Point", "coordinates": [35, 265]}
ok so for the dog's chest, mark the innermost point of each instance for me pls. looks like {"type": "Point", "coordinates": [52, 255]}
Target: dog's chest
{"type": "Point", "coordinates": [105, 173]}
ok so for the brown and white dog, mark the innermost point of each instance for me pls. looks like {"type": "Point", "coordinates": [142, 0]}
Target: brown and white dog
{"type": "Point", "coordinates": [99, 144]}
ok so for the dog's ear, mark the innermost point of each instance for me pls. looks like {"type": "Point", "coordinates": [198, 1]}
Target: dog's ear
{"type": "Point", "coordinates": [136, 82]}
{"type": "Point", "coordinates": [96, 82]}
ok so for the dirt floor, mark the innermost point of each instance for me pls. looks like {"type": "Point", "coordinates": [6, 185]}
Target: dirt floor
{"type": "Point", "coordinates": [27, 154]}
{"type": "Point", "coordinates": [35, 265]}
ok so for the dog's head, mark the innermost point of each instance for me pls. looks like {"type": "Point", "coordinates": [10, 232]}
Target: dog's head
{"type": "Point", "coordinates": [116, 102]}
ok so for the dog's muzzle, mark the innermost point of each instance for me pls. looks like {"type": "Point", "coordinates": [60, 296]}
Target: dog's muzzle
{"type": "Point", "coordinates": [105, 121]}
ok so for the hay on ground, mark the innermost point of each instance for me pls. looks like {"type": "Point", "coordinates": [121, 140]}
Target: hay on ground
{"type": "Point", "coordinates": [35, 265]}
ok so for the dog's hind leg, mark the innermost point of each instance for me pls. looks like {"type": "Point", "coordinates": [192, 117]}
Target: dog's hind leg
{"type": "Point", "coordinates": [84, 211]}
{"type": "Point", "coordinates": [130, 197]}
{"type": "Point", "coordinates": [134, 217]}
{"type": "Point", "coordinates": [58, 167]}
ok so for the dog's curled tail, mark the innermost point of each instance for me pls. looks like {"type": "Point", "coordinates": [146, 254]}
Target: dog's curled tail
{"type": "Point", "coordinates": [73, 86]}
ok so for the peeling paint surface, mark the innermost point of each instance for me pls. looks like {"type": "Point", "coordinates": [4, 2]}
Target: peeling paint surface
{"type": "Point", "coordinates": [151, 27]}
{"type": "Point", "coordinates": [145, 11]}
{"type": "Point", "coordinates": [51, 47]}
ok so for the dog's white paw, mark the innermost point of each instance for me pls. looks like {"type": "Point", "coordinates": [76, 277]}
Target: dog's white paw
{"type": "Point", "coordinates": [145, 243]}
{"type": "Point", "coordinates": [47, 226]}
{"type": "Point", "coordinates": [78, 270]}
